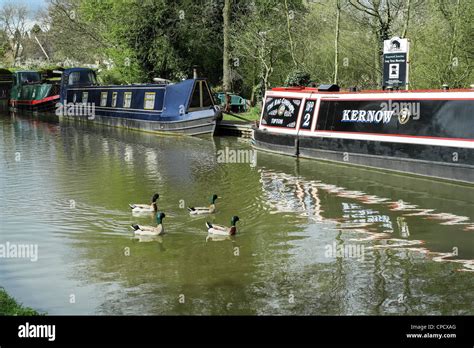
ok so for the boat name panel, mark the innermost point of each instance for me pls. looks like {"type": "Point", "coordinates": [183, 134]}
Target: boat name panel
{"type": "Point", "coordinates": [434, 118]}
{"type": "Point", "coordinates": [281, 112]}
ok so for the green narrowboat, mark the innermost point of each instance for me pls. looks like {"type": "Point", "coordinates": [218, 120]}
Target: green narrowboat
{"type": "Point", "coordinates": [31, 92]}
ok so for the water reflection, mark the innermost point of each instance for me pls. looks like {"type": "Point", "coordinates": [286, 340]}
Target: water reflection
{"type": "Point", "coordinates": [320, 202]}
{"type": "Point", "coordinates": [79, 180]}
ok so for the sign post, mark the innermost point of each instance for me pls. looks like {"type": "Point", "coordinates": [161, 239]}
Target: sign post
{"type": "Point", "coordinates": [395, 62]}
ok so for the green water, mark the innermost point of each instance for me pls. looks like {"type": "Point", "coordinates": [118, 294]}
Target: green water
{"type": "Point", "coordinates": [66, 188]}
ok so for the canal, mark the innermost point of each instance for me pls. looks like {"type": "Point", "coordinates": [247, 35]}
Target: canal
{"type": "Point", "coordinates": [313, 238]}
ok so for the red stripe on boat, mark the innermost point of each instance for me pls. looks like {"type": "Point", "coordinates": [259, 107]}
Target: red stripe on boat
{"type": "Point", "coordinates": [34, 102]}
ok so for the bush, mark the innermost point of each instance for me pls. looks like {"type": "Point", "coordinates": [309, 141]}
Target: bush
{"type": "Point", "coordinates": [297, 78]}
{"type": "Point", "coordinates": [8, 306]}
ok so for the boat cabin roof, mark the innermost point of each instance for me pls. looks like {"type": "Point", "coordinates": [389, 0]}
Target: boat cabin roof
{"type": "Point", "coordinates": [25, 71]}
{"type": "Point", "coordinates": [315, 90]}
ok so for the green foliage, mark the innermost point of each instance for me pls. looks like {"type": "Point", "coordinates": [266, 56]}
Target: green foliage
{"type": "Point", "coordinates": [272, 41]}
{"type": "Point", "coordinates": [159, 39]}
{"type": "Point", "coordinates": [8, 306]}
{"type": "Point", "coordinates": [253, 114]}
{"type": "Point", "coordinates": [446, 59]}
{"type": "Point", "coordinates": [4, 46]}
{"type": "Point", "coordinates": [298, 78]}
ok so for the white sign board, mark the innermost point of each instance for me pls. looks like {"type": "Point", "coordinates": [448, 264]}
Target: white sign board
{"type": "Point", "coordinates": [395, 45]}
{"type": "Point", "coordinates": [395, 62]}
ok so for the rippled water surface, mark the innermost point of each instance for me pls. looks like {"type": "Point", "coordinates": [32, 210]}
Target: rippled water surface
{"type": "Point", "coordinates": [313, 238]}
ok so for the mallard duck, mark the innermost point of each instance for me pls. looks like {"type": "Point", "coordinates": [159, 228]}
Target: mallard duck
{"type": "Point", "coordinates": [223, 230]}
{"type": "Point", "coordinates": [157, 230]}
{"type": "Point", "coordinates": [204, 210]}
{"type": "Point", "coordinates": [146, 208]}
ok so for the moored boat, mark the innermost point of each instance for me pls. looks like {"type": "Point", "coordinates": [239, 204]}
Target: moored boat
{"type": "Point", "coordinates": [186, 107]}
{"type": "Point", "coordinates": [31, 92]}
{"type": "Point", "coordinates": [429, 133]}
{"type": "Point", "coordinates": [6, 81]}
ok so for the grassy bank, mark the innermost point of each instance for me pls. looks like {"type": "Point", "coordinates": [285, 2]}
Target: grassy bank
{"type": "Point", "coordinates": [251, 115]}
{"type": "Point", "coordinates": [8, 306]}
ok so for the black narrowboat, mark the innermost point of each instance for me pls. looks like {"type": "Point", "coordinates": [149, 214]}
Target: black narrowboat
{"type": "Point", "coordinates": [429, 132]}
{"type": "Point", "coordinates": [6, 83]}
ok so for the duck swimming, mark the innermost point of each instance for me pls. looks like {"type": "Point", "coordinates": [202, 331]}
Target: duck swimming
{"type": "Point", "coordinates": [158, 230]}
{"type": "Point", "coordinates": [204, 210]}
{"type": "Point", "coordinates": [146, 208]}
{"type": "Point", "coordinates": [223, 230]}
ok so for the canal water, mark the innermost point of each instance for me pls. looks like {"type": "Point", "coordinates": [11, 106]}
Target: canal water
{"type": "Point", "coordinates": [313, 238]}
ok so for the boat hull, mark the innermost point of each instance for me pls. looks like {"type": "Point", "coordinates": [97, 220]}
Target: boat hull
{"type": "Point", "coordinates": [431, 161]}
{"type": "Point", "coordinates": [201, 126]}
{"type": "Point", "coordinates": [47, 104]}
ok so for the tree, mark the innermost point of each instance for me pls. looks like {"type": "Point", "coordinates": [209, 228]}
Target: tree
{"type": "Point", "coordinates": [68, 33]}
{"type": "Point", "coordinates": [259, 40]}
{"type": "Point", "coordinates": [249, 46]}
{"type": "Point", "coordinates": [380, 14]}
{"type": "Point", "coordinates": [4, 46]}
{"type": "Point", "coordinates": [449, 24]}
{"type": "Point", "coordinates": [336, 41]}
{"type": "Point", "coordinates": [227, 79]}
{"type": "Point", "coordinates": [13, 20]}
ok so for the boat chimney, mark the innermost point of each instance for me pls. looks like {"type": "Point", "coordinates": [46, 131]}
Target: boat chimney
{"type": "Point", "coordinates": [445, 87]}
{"type": "Point", "coordinates": [195, 71]}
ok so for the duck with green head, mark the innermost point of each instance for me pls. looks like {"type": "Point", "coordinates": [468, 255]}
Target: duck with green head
{"type": "Point", "coordinates": [205, 210]}
{"type": "Point", "coordinates": [158, 230]}
{"type": "Point", "coordinates": [146, 208]}
{"type": "Point", "coordinates": [223, 230]}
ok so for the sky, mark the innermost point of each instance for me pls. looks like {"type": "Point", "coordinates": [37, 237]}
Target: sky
{"type": "Point", "coordinates": [33, 5]}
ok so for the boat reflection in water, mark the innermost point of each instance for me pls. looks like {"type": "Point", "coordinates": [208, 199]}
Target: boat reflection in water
{"type": "Point", "coordinates": [384, 221]}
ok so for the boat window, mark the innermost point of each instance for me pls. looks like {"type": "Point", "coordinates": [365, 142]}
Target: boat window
{"type": "Point", "coordinates": [127, 99]}
{"type": "Point", "coordinates": [29, 77]}
{"type": "Point", "coordinates": [114, 99]}
{"type": "Point", "coordinates": [92, 78]}
{"type": "Point", "coordinates": [74, 78]}
{"type": "Point", "coordinates": [103, 98]}
{"type": "Point", "coordinates": [83, 77]}
{"type": "Point", "coordinates": [85, 96]}
{"type": "Point", "coordinates": [206, 96]}
{"type": "Point", "coordinates": [149, 102]}
{"type": "Point", "coordinates": [196, 99]}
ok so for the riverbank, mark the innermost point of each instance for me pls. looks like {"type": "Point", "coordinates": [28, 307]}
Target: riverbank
{"type": "Point", "coordinates": [253, 114]}
{"type": "Point", "coordinates": [9, 306]}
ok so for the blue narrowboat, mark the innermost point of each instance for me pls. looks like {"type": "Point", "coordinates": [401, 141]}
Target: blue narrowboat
{"type": "Point", "coordinates": [186, 107]}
